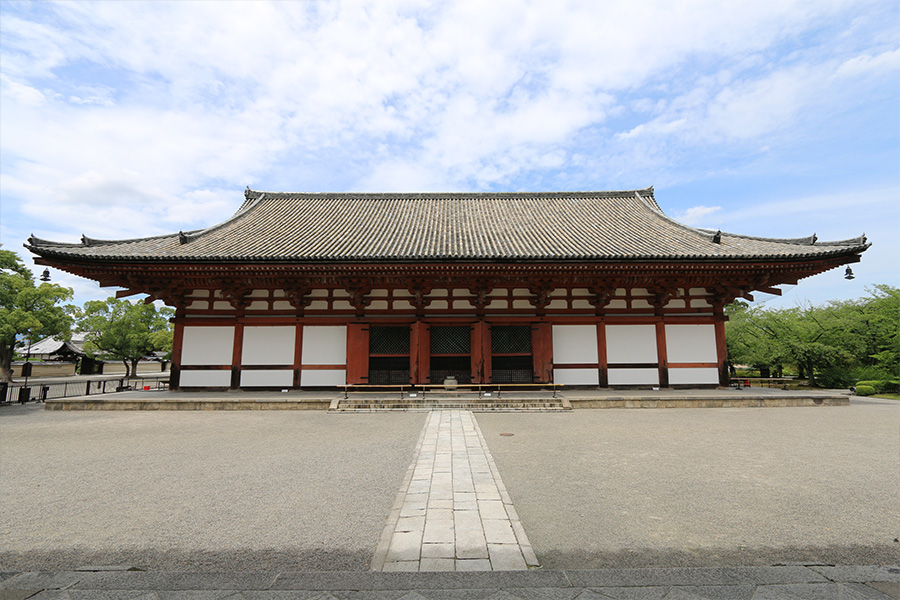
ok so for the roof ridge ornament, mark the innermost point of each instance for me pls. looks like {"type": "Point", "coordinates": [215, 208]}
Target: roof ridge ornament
{"type": "Point", "coordinates": [182, 238]}
{"type": "Point", "coordinates": [717, 237]}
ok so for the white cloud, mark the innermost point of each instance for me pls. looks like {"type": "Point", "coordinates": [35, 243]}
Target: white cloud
{"type": "Point", "coordinates": [697, 216]}
{"type": "Point", "coordinates": [135, 118]}
{"type": "Point", "coordinates": [20, 93]}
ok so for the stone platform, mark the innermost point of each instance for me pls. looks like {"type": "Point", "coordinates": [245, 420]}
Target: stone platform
{"type": "Point", "coordinates": [510, 401]}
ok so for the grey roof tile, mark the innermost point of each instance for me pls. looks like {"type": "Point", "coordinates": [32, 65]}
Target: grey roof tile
{"type": "Point", "coordinates": [551, 226]}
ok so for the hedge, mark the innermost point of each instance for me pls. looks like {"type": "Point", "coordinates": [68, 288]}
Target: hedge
{"type": "Point", "coordinates": [881, 386]}
{"type": "Point", "coordinates": [864, 390]}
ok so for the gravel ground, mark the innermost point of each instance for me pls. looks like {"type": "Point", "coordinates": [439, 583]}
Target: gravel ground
{"type": "Point", "coordinates": [306, 490]}
{"type": "Point", "coordinates": [247, 490]}
{"type": "Point", "coordinates": [705, 487]}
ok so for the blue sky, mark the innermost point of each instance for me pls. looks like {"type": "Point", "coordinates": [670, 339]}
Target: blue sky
{"type": "Point", "coordinates": [768, 118]}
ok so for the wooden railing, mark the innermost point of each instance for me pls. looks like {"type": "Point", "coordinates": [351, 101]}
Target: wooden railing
{"type": "Point", "coordinates": [742, 382]}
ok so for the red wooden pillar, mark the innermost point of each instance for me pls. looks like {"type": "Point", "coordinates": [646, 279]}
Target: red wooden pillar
{"type": "Point", "coordinates": [414, 353]}
{"type": "Point", "coordinates": [177, 342]}
{"type": "Point", "coordinates": [298, 354]}
{"type": "Point", "coordinates": [236, 354]}
{"type": "Point", "coordinates": [601, 355]}
{"type": "Point", "coordinates": [419, 353]}
{"type": "Point", "coordinates": [480, 347]}
{"type": "Point", "coordinates": [357, 353]}
{"type": "Point", "coordinates": [661, 353]}
{"type": "Point", "coordinates": [422, 352]}
{"type": "Point", "coordinates": [542, 352]}
{"type": "Point", "coordinates": [477, 354]}
{"type": "Point", "coordinates": [721, 348]}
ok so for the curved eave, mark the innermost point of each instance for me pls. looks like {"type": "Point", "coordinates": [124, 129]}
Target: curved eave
{"type": "Point", "coordinates": [48, 252]}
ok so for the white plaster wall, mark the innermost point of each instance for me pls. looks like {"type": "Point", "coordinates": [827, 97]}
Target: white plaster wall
{"type": "Point", "coordinates": [205, 379]}
{"type": "Point", "coordinates": [574, 344]}
{"type": "Point", "coordinates": [633, 376]}
{"type": "Point", "coordinates": [377, 305]}
{"type": "Point", "coordinates": [576, 376]}
{"type": "Point", "coordinates": [691, 343]}
{"type": "Point", "coordinates": [693, 376]}
{"type": "Point", "coordinates": [631, 344]}
{"type": "Point", "coordinates": [323, 378]}
{"type": "Point", "coordinates": [324, 346]}
{"type": "Point", "coordinates": [267, 378]}
{"type": "Point", "coordinates": [268, 345]}
{"type": "Point", "coordinates": [207, 346]}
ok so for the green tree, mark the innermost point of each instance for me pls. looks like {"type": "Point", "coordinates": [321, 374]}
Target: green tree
{"type": "Point", "coordinates": [836, 342]}
{"type": "Point", "coordinates": [126, 331]}
{"type": "Point", "coordinates": [27, 309]}
{"type": "Point", "coordinates": [882, 322]}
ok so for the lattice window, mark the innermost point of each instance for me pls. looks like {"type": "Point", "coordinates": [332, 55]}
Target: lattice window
{"type": "Point", "coordinates": [388, 370]}
{"type": "Point", "coordinates": [389, 340]}
{"type": "Point", "coordinates": [512, 369]}
{"type": "Point", "coordinates": [450, 340]}
{"type": "Point", "coordinates": [510, 339]}
{"type": "Point", "coordinates": [445, 366]}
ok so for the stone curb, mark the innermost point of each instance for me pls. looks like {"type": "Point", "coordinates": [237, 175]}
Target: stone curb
{"type": "Point", "coordinates": [887, 579]}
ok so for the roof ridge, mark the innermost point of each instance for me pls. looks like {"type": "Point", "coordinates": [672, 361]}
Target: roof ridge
{"type": "Point", "coordinates": [810, 240]}
{"type": "Point", "coordinates": [252, 195]}
{"type": "Point", "coordinates": [249, 203]}
{"type": "Point", "coordinates": [655, 207]}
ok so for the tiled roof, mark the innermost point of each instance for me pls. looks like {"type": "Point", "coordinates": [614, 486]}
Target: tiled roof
{"type": "Point", "coordinates": [551, 226]}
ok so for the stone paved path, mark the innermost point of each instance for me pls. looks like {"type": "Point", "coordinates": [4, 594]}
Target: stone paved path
{"type": "Point", "coordinates": [453, 512]}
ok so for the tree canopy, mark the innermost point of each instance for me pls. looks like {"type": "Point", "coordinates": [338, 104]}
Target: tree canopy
{"type": "Point", "coordinates": [26, 309]}
{"type": "Point", "coordinates": [835, 344]}
{"type": "Point", "coordinates": [122, 330]}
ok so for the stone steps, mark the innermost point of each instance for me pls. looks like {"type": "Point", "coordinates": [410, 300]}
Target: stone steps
{"type": "Point", "coordinates": [438, 403]}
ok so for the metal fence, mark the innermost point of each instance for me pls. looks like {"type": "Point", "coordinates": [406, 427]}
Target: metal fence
{"type": "Point", "coordinates": [41, 390]}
